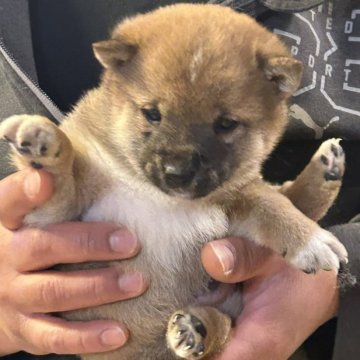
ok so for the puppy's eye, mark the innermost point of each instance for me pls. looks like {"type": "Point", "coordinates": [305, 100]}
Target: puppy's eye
{"type": "Point", "coordinates": [152, 115]}
{"type": "Point", "coordinates": [223, 125]}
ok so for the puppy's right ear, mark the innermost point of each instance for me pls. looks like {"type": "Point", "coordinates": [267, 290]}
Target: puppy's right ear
{"type": "Point", "coordinates": [114, 52]}
{"type": "Point", "coordinates": [284, 71]}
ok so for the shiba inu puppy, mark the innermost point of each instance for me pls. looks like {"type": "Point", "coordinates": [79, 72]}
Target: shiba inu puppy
{"type": "Point", "coordinates": [171, 145]}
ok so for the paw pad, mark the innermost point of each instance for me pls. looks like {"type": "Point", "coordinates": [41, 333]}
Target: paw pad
{"type": "Point", "coordinates": [332, 158]}
{"type": "Point", "coordinates": [186, 335]}
{"type": "Point", "coordinates": [36, 139]}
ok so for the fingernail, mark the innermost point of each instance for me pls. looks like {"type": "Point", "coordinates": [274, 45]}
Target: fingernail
{"type": "Point", "coordinates": [32, 184]}
{"type": "Point", "coordinates": [122, 241]}
{"type": "Point", "coordinates": [131, 283]}
{"type": "Point", "coordinates": [113, 337]}
{"type": "Point", "coordinates": [225, 256]}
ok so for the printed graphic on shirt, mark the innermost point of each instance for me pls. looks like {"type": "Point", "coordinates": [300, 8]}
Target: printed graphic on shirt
{"type": "Point", "coordinates": [327, 40]}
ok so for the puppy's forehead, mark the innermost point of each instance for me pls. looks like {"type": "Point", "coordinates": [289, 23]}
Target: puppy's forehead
{"type": "Point", "coordinates": [199, 74]}
{"type": "Point", "coordinates": [187, 52]}
{"type": "Point", "coordinates": [196, 63]}
{"type": "Point", "coordinates": [196, 51]}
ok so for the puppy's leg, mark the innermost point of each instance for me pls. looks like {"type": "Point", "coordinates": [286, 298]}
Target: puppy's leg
{"type": "Point", "coordinates": [38, 143]}
{"type": "Point", "coordinates": [315, 189]}
{"type": "Point", "coordinates": [198, 332]}
{"type": "Point", "coordinates": [269, 218]}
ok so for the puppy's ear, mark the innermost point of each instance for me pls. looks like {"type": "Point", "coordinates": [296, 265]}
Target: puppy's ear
{"type": "Point", "coordinates": [114, 52]}
{"type": "Point", "coordinates": [285, 72]}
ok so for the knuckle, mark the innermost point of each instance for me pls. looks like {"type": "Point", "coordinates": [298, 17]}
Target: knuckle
{"type": "Point", "coordinates": [5, 235]}
{"type": "Point", "coordinates": [53, 341]}
{"type": "Point", "coordinates": [96, 288]}
{"type": "Point", "coordinates": [86, 243]}
{"type": "Point", "coordinates": [15, 294]}
{"type": "Point", "coordinates": [16, 326]}
{"type": "Point", "coordinates": [23, 295]}
{"type": "Point", "coordinates": [82, 343]}
{"type": "Point", "coordinates": [5, 296]}
{"type": "Point", "coordinates": [28, 245]}
{"type": "Point", "coordinates": [63, 342]}
{"type": "Point", "coordinates": [39, 243]}
{"type": "Point", "coordinates": [4, 210]}
{"type": "Point", "coordinates": [25, 336]}
{"type": "Point", "coordinates": [51, 292]}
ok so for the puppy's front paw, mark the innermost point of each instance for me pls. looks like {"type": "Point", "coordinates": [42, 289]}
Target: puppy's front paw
{"type": "Point", "coordinates": [323, 251]}
{"type": "Point", "coordinates": [331, 158]}
{"type": "Point", "coordinates": [35, 139]}
{"type": "Point", "coordinates": [186, 335]}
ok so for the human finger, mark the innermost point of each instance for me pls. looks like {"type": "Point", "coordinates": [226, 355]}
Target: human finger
{"type": "Point", "coordinates": [45, 334]}
{"type": "Point", "coordinates": [22, 192]}
{"type": "Point", "coordinates": [53, 291]}
{"type": "Point", "coordinates": [35, 249]}
{"type": "Point", "coordinates": [234, 259]}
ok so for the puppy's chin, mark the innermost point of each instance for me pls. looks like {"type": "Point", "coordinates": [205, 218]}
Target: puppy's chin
{"type": "Point", "coordinates": [192, 191]}
{"type": "Point", "coordinates": [183, 194]}
{"type": "Point", "coordinates": [199, 187]}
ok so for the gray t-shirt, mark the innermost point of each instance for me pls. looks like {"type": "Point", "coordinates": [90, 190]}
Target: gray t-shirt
{"type": "Point", "coordinates": [327, 40]}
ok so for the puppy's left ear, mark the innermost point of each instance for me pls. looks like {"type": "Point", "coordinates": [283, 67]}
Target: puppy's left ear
{"type": "Point", "coordinates": [114, 52]}
{"type": "Point", "coordinates": [285, 72]}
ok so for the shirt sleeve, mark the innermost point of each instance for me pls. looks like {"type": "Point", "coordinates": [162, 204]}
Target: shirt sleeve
{"type": "Point", "coordinates": [347, 345]}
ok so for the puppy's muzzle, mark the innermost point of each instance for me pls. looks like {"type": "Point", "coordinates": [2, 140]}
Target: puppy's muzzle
{"type": "Point", "coordinates": [180, 168]}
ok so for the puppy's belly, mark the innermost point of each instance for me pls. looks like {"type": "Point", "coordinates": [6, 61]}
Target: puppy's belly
{"type": "Point", "coordinates": [172, 234]}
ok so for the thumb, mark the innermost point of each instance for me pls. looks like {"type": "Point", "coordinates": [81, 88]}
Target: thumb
{"type": "Point", "coordinates": [22, 192]}
{"type": "Point", "coordinates": [234, 259]}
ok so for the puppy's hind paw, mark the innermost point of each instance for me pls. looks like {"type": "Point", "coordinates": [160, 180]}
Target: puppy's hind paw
{"type": "Point", "coordinates": [332, 159]}
{"type": "Point", "coordinates": [323, 252]}
{"type": "Point", "coordinates": [185, 336]}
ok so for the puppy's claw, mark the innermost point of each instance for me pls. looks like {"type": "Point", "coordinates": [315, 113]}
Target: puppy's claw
{"type": "Point", "coordinates": [199, 350]}
{"type": "Point", "coordinates": [190, 342]}
{"type": "Point", "coordinates": [177, 317]}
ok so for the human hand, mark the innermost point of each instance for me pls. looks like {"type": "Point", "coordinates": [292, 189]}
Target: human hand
{"type": "Point", "coordinates": [29, 295]}
{"type": "Point", "coordinates": [282, 306]}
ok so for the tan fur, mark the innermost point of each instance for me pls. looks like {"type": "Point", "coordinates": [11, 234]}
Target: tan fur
{"type": "Point", "coordinates": [196, 63]}
{"type": "Point", "coordinates": [311, 194]}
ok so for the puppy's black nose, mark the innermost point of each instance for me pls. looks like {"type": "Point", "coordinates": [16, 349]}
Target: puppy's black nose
{"type": "Point", "coordinates": [180, 169]}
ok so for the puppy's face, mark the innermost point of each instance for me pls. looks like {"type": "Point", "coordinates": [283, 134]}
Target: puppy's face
{"type": "Point", "coordinates": [198, 95]}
